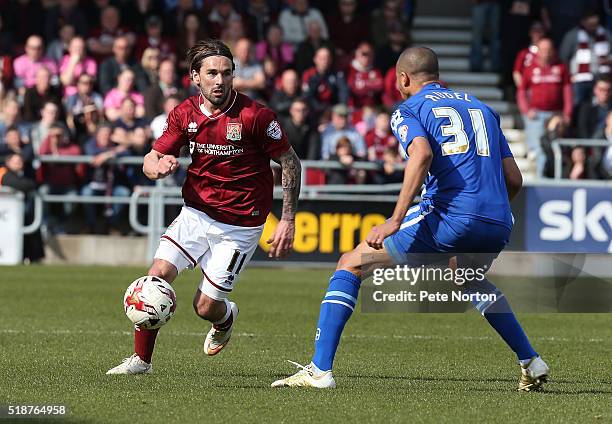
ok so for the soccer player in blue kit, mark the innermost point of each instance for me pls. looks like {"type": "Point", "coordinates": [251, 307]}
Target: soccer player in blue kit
{"type": "Point", "coordinates": [457, 149]}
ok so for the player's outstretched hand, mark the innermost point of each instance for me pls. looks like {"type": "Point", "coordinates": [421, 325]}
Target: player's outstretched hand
{"type": "Point", "coordinates": [166, 165]}
{"type": "Point", "coordinates": [377, 234]}
{"type": "Point", "coordinates": [282, 239]}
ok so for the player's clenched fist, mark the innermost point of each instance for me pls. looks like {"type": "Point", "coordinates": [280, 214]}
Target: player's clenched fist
{"type": "Point", "coordinates": [166, 165]}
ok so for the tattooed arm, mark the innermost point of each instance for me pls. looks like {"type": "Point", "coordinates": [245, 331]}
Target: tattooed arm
{"type": "Point", "coordinates": [282, 238]}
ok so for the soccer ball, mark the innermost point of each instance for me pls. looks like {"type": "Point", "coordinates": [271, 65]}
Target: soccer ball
{"type": "Point", "coordinates": [149, 302]}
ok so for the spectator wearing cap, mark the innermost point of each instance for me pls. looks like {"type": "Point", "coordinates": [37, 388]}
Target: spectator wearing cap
{"type": "Point", "coordinates": [307, 49]}
{"type": "Point", "coordinates": [322, 86]}
{"type": "Point", "coordinates": [119, 62]}
{"type": "Point", "coordinates": [586, 49]}
{"type": "Point", "coordinates": [386, 56]}
{"type": "Point", "coordinates": [154, 38]}
{"type": "Point", "coordinates": [156, 95]}
{"type": "Point", "coordinates": [347, 27]}
{"type": "Point", "coordinates": [275, 48]}
{"type": "Point", "coordinates": [545, 89]}
{"type": "Point", "coordinates": [101, 43]}
{"type": "Point", "coordinates": [391, 96]}
{"type": "Point", "coordinates": [26, 65]}
{"type": "Point", "coordinates": [295, 19]}
{"type": "Point", "coordinates": [300, 131]}
{"type": "Point", "coordinates": [42, 91]}
{"type": "Point", "coordinates": [364, 80]}
{"type": "Point", "coordinates": [123, 90]}
{"type": "Point", "coordinates": [74, 64]}
{"type": "Point", "coordinates": [249, 77]}
{"type": "Point", "coordinates": [526, 56]}
{"type": "Point", "coordinates": [340, 127]}
{"type": "Point", "coordinates": [284, 95]}
{"type": "Point", "coordinates": [104, 179]}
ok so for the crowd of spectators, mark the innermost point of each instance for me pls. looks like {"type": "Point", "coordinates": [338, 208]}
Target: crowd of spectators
{"type": "Point", "coordinates": [100, 77]}
{"type": "Point", "coordinates": [561, 50]}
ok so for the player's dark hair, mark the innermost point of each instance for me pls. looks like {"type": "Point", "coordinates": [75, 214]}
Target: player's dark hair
{"type": "Point", "coordinates": [206, 48]}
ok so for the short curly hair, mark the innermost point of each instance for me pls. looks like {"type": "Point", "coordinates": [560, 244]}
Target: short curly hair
{"type": "Point", "coordinates": [206, 48]}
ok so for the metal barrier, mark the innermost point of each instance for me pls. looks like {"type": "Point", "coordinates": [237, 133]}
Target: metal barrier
{"type": "Point", "coordinates": [558, 154]}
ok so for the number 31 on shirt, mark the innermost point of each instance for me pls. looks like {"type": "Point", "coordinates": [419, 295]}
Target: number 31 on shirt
{"type": "Point", "coordinates": [456, 129]}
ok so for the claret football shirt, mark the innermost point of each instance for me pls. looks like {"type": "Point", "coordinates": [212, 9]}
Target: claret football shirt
{"type": "Point", "coordinates": [229, 177]}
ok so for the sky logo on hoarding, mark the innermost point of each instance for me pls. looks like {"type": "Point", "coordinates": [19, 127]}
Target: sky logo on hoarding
{"type": "Point", "coordinates": [565, 220]}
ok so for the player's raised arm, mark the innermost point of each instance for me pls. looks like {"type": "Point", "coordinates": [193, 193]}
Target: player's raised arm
{"type": "Point", "coordinates": [282, 239]}
{"type": "Point", "coordinates": [157, 165]}
{"type": "Point", "coordinates": [420, 155]}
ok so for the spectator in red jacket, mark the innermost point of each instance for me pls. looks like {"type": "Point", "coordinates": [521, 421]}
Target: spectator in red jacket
{"type": "Point", "coordinates": [391, 95]}
{"type": "Point", "coordinates": [379, 138]}
{"type": "Point", "coordinates": [545, 89]}
{"type": "Point", "coordinates": [59, 178]}
{"type": "Point", "coordinates": [347, 28]}
{"type": "Point", "coordinates": [364, 80]}
{"type": "Point", "coordinates": [526, 56]}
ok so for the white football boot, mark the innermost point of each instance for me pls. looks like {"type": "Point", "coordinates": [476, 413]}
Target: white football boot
{"type": "Point", "coordinates": [533, 375]}
{"type": "Point", "coordinates": [305, 377]}
{"type": "Point", "coordinates": [132, 365]}
{"type": "Point", "coordinates": [216, 340]}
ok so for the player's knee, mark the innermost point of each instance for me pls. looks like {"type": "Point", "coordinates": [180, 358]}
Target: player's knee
{"type": "Point", "coordinates": [164, 270]}
{"type": "Point", "coordinates": [348, 262]}
{"type": "Point", "coordinates": [205, 309]}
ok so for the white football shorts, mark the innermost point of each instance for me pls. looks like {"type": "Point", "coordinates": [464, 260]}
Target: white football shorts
{"type": "Point", "coordinates": [222, 250]}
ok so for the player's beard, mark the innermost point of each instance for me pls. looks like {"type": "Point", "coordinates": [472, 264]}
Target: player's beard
{"type": "Point", "coordinates": [215, 99]}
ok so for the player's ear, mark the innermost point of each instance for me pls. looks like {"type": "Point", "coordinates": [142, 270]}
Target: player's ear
{"type": "Point", "coordinates": [195, 76]}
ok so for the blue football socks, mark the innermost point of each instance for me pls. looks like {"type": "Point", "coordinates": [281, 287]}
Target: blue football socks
{"type": "Point", "coordinates": [500, 316]}
{"type": "Point", "coordinates": [336, 309]}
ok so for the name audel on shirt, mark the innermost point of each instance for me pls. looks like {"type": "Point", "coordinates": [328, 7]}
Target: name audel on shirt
{"type": "Point", "coordinates": [439, 95]}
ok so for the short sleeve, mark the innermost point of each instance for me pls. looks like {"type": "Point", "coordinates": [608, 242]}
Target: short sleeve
{"type": "Point", "coordinates": [172, 138]}
{"type": "Point", "coordinates": [269, 134]}
{"type": "Point", "coordinates": [406, 127]}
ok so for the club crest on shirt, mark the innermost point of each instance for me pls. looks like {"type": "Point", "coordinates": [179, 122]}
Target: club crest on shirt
{"type": "Point", "coordinates": [403, 132]}
{"type": "Point", "coordinates": [192, 127]}
{"type": "Point", "coordinates": [274, 130]}
{"type": "Point", "coordinates": [234, 131]}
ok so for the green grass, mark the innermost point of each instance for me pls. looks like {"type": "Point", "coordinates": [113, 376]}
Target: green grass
{"type": "Point", "coordinates": [61, 328]}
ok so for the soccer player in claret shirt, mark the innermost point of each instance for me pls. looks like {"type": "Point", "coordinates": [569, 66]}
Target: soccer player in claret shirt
{"type": "Point", "coordinates": [456, 147]}
{"type": "Point", "coordinates": [227, 194]}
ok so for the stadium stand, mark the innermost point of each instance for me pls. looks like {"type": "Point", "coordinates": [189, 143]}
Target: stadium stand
{"type": "Point", "coordinates": [111, 71]}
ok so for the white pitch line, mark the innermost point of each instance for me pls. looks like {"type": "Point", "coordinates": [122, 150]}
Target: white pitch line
{"type": "Point", "coordinates": [292, 336]}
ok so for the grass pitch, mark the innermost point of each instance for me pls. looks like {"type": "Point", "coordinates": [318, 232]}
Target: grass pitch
{"type": "Point", "coordinates": [63, 327]}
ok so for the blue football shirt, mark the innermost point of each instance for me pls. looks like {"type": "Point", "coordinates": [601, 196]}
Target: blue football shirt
{"type": "Point", "coordinates": [466, 176]}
